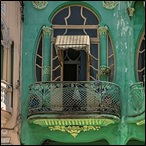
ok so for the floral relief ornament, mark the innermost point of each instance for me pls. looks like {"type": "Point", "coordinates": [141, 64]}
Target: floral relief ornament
{"type": "Point", "coordinates": [109, 4]}
{"type": "Point", "coordinates": [39, 4]}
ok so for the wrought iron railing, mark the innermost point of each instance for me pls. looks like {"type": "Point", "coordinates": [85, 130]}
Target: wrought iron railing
{"type": "Point", "coordinates": [74, 97]}
{"type": "Point", "coordinates": [137, 92]}
{"type": "Point", "coordinates": [6, 96]}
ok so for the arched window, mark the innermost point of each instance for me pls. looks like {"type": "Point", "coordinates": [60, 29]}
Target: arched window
{"type": "Point", "coordinates": [140, 64]}
{"type": "Point", "coordinates": [39, 59]}
{"type": "Point", "coordinates": [75, 48]}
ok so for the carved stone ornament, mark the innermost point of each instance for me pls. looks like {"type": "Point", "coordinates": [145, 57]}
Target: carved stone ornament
{"type": "Point", "coordinates": [7, 44]}
{"type": "Point", "coordinates": [103, 30]}
{"type": "Point", "coordinates": [47, 30]}
{"type": "Point", "coordinates": [130, 11]}
{"type": "Point", "coordinates": [39, 4]}
{"type": "Point", "coordinates": [74, 130]}
{"type": "Point", "coordinates": [109, 4]}
{"type": "Point", "coordinates": [142, 122]}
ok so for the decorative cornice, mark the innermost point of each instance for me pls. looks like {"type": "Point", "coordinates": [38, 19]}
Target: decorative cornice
{"type": "Point", "coordinates": [109, 4]}
{"type": "Point", "coordinates": [47, 30]}
{"type": "Point", "coordinates": [103, 30]}
{"type": "Point", "coordinates": [72, 122]}
{"type": "Point", "coordinates": [39, 4]}
{"type": "Point", "coordinates": [74, 130]}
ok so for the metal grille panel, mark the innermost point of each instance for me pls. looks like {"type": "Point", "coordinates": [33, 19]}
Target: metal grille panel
{"type": "Point", "coordinates": [74, 97]}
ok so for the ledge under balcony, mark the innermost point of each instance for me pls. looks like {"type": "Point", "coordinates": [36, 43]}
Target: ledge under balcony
{"type": "Point", "coordinates": [73, 103]}
{"type": "Point", "coordinates": [6, 108]}
{"type": "Point", "coordinates": [136, 104]}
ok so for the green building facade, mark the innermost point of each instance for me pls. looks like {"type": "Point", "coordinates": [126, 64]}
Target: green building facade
{"type": "Point", "coordinates": [83, 73]}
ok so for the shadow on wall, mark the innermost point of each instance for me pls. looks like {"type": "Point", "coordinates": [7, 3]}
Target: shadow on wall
{"type": "Point", "coordinates": [100, 142]}
{"type": "Point", "coordinates": [135, 142]}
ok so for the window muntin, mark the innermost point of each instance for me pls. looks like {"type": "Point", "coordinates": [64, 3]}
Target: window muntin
{"type": "Point", "coordinates": [64, 24]}
{"type": "Point", "coordinates": [39, 60]}
{"type": "Point", "coordinates": [141, 60]}
{"type": "Point", "coordinates": [110, 59]}
{"type": "Point", "coordinates": [2, 56]}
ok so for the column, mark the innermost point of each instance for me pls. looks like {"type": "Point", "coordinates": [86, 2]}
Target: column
{"type": "Point", "coordinates": [7, 61]}
{"type": "Point", "coordinates": [47, 52]}
{"type": "Point", "coordinates": [103, 53]}
{"type": "Point", "coordinates": [7, 71]}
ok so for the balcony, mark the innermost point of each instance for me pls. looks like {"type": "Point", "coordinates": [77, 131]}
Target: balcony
{"type": "Point", "coordinates": [6, 108]}
{"type": "Point", "coordinates": [73, 100]}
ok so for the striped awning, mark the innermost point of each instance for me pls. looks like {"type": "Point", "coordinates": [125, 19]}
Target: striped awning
{"type": "Point", "coordinates": [77, 42]}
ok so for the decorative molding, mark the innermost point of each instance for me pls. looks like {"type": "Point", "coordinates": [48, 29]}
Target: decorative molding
{"type": "Point", "coordinates": [105, 70]}
{"type": "Point", "coordinates": [141, 122]}
{"type": "Point", "coordinates": [109, 4]}
{"type": "Point", "coordinates": [47, 30]}
{"type": "Point", "coordinates": [74, 130]}
{"type": "Point", "coordinates": [71, 122]}
{"type": "Point", "coordinates": [3, 9]}
{"type": "Point", "coordinates": [7, 44]}
{"type": "Point", "coordinates": [39, 4]}
{"type": "Point", "coordinates": [5, 140]}
{"type": "Point", "coordinates": [130, 11]}
{"type": "Point", "coordinates": [4, 132]}
{"type": "Point", "coordinates": [103, 30]}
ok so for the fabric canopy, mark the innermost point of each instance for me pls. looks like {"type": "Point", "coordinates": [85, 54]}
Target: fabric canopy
{"type": "Point", "coordinates": [77, 42]}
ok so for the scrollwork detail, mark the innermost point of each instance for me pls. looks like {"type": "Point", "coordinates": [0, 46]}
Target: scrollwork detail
{"type": "Point", "coordinates": [39, 4]}
{"type": "Point", "coordinates": [109, 4]}
{"type": "Point", "coordinates": [74, 130]}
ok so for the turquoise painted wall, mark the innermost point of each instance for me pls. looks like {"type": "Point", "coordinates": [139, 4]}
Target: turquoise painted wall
{"type": "Point", "coordinates": [125, 34]}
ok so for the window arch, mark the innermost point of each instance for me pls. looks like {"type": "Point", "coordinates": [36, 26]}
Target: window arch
{"type": "Point", "coordinates": [140, 63]}
{"type": "Point", "coordinates": [73, 24]}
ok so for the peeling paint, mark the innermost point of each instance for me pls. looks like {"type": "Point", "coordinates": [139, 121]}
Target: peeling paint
{"type": "Point", "coordinates": [118, 24]}
{"type": "Point", "coordinates": [124, 30]}
{"type": "Point", "coordinates": [119, 5]}
{"type": "Point", "coordinates": [126, 69]}
{"type": "Point", "coordinates": [126, 46]}
{"type": "Point", "coordinates": [122, 22]}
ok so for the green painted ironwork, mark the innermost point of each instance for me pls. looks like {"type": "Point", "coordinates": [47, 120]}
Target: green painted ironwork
{"type": "Point", "coordinates": [69, 97]}
{"type": "Point", "coordinates": [137, 97]}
